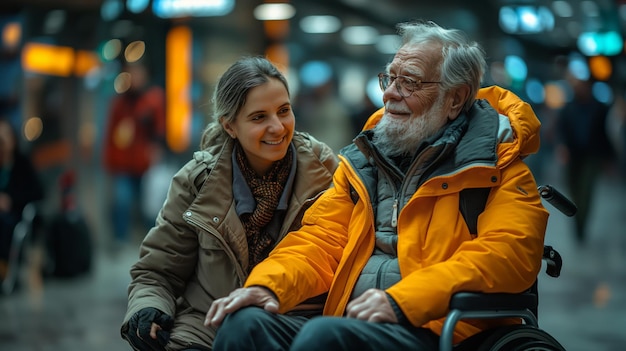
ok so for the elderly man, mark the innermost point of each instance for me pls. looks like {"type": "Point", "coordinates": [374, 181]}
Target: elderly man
{"type": "Point", "coordinates": [387, 242]}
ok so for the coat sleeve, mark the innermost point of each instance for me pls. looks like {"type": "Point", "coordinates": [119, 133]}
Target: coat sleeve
{"type": "Point", "coordinates": [505, 256]}
{"type": "Point", "coordinates": [168, 253]}
{"type": "Point", "coordinates": [303, 264]}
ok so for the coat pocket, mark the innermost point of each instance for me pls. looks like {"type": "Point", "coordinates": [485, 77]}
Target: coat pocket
{"type": "Point", "coordinates": [218, 272]}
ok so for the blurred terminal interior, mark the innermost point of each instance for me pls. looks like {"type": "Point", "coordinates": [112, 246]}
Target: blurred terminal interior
{"type": "Point", "coordinates": [60, 59]}
{"type": "Point", "coordinates": [60, 67]}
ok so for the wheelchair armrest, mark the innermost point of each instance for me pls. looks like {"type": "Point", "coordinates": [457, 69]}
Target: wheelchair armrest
{"type": "Point", "coordinates": [487, 305]}
{"type": "Point", "coordinates": [472, 301]}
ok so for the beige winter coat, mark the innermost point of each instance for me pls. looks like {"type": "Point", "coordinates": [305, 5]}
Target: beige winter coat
{"type": "Point", "coordinates": [198, 251]}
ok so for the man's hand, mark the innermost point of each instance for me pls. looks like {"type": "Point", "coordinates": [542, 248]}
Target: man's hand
{"type": "Point", "coordinates": [239, 298]}
{"type": "Point", "coordinates": [372, 306]}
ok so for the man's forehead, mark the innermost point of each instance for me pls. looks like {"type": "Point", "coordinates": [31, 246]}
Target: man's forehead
{"type": "Point", "coordinates": [409, 62]}
{"type": "Point", "coordinates": [415, 57]}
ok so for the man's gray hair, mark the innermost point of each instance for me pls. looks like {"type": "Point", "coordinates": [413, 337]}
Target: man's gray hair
{"type": "Point", "coordinates": [463, 59]}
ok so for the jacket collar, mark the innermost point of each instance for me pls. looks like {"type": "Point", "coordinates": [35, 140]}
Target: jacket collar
{"type": "Point", "coordinates": [244, 200]}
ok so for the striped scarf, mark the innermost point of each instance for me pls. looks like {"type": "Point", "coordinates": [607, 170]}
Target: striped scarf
{"type": "Point", "coordinates": [266, 190]}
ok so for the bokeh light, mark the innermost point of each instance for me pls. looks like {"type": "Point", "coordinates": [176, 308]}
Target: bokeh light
{"type": "Point", "coordinates": [122, 82]}
{"type": "Point", "coordinates": [111, 49]}
{"type": "Point", "coordinates": [33, 128]}
{"type": "Point", "coordinates": [315, 73]}
{"type": "Point", "coordinates": [600, 67]}
{"type": "Point", "coordinates": [134, 51]}
{"type": "Point", "coordinates": [555, 96]}
{"type": "Point", "coordinates": [602, 92]}
{"type": "Point", "coordinates": [515, 67]}
{"type": "Point", "coordinates": [535, 91]}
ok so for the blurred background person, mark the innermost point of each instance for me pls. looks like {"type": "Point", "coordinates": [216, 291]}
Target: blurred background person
{"type": "Point", "coordinates": [133, 143]}
{"type": "Point", "coordinates": [584, 148]}
{"type": "Point", "coordinates": [320, 111]}
{"type": "Point", "coordinates": [19, 185]}
{"type": "Point", "coordinates": [616, 130]}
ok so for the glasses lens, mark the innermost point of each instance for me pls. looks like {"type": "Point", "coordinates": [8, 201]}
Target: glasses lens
{"type": "Point", "coordinates": [383, 80]}
{"type": "Point", "coordinates": [405, 87]}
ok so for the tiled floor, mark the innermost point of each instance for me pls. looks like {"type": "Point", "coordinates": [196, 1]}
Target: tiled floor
{"type": "Point", "coordinates": [585, 308]}
{"type": "Point", "coordinates": [70, 314]}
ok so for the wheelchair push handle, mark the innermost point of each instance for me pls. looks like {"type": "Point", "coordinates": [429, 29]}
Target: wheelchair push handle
{"type": "Point", "coordinates": [558, 200]}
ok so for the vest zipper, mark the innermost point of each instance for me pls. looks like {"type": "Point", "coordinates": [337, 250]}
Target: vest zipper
{"type": "Point", "coordinates": [394, 213]}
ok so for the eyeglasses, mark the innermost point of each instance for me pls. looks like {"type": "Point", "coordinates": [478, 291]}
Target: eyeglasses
{"type": "Point", "coordinates": [405, 85]}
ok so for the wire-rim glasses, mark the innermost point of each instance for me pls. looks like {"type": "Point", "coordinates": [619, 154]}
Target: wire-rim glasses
{"type": "Point", "coordinates": [405, 85]}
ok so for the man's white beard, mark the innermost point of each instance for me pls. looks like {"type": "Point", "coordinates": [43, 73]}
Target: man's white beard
{"type": "Point", "coordinates": [395, 137]}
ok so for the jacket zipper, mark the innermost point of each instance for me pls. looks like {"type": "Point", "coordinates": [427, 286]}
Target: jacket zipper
{"type": "Point", "coordinates": [411, 170]}
{"type": "Point", "coordinates": [394, 213]}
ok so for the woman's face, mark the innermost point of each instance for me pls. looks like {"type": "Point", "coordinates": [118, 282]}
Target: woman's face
{"type": "Point", "coordinates": [264, 126]}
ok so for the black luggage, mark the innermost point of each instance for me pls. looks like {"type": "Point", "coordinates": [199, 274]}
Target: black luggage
{"type": "Point", "coordinates": [68, 238]}
{"type": "Point", "coordinates": [69, 245]}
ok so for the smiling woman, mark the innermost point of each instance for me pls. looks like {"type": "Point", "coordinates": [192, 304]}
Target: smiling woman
{"type": "Point", "coordinates": [226, 208]}
{"type": "Point", "coordinates": [264, 126]}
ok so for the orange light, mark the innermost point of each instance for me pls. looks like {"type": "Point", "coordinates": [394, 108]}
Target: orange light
{"type": "Point", "coordinates": [600, 67]}
{"type": "Point", "coordinates": [555, 96]}
{"type": "Point", "coordinates": [279, 55]}
{"type": "Point", "coordinates": [85, 62]}
{"type": "Point", "coordinates": [177, 88]}
{"type": "Point", "coordinates": [11, 35]}
{"type": "Point", "coordinates": [58, 60]}
{"type": "Point", "coordinates": [276, 29]}
{"type": "Point", "coordinates": [48, 59]}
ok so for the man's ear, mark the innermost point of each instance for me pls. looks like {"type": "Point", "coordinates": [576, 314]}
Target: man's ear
{"type": "Point", "coordinates": [458, 98]}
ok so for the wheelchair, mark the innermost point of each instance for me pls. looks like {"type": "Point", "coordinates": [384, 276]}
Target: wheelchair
{"type": "Point", "coordinates": [519, 337]}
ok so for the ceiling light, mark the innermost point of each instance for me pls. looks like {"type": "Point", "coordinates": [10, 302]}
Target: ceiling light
{"type": "Point", "coordinates": [196, 8]}
{"type": "Point", "coordinates": [509, 22]}
{"type": "Point", "coordinates": [274, 12]}
{"type": "Point", "coordinates": [137, 6]}
{"type": "Point", "coordinates": [529, 20]}
{"type": "Point", "coordinates": [359, 35]}
{"type": "Point", "coordinates": [320, 24]}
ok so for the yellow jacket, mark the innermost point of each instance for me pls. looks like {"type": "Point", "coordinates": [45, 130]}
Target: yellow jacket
{"type": "Point", "coordinates": [436, 253]}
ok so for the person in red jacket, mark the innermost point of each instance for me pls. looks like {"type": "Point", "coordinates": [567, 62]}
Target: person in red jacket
{"type": "Point", "coordinates": [388, 242]}
{"type": "Point", "coordinates": [133, 142]}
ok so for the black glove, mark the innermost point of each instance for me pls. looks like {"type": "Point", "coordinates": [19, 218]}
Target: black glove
{"type": "Point", "coordinates": [139, 329]}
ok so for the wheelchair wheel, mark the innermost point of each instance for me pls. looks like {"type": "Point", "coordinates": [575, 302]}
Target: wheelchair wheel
{"type": "Point", "coordinates": [520, 338]}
